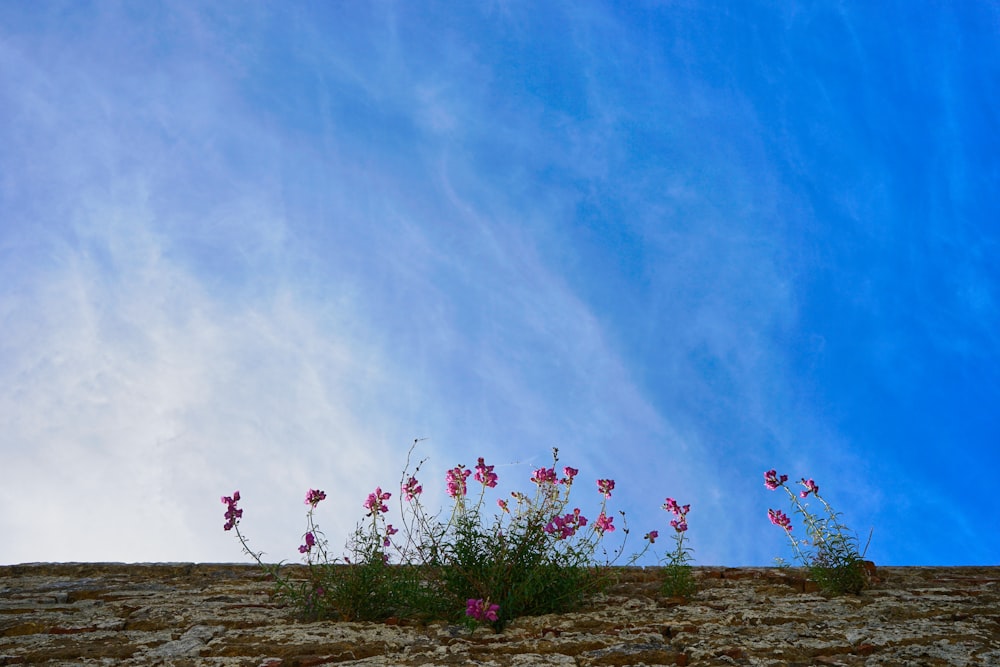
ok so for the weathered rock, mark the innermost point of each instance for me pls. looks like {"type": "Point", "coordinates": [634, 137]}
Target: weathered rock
{"type": "Point", "coordinates": [184, 614]}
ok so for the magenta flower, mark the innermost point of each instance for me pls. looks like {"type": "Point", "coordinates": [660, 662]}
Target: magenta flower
{"type": "Point", "coordinates": [314, 496]}
{"type": "Point", "coordinates": [389, 531]}
{"type": "Point", "coordinates": [566, 525]}
{"type": "Point", "coordinates": [605, 486]}
{"type": "Point", "coordinates": [411, 489]}
{"type": "Point", "coordinates": [310, 543]}
{"type": "Point", "coordinates": [455, 479]}
{"type": "Point", "coordinates": [544, 475]}
{"type": "Point", "coordinates": [502, 504]}
{"type": "Point", "coordinates": [651, 536]}
{"type": "Point", "coordinates": [772, 481]}
{"type": "Point", "coordinates": [811, 487]}
{"type": "Point", "coordinates": [671, 506]}
{"type": "Point", "coordinates": [680, 523]}
{"type": "Point", "coordinates": [569, 473]}
{"type": "Point", "coordinates": [481, 610]}
{"type": "Point", "coordinates": [485, 474]}
{"type": "Point", "coordinates": [233, 513]}
{"type": "Point", "coordinates": [374, 504]}
{"type": "Point", "coordinates": [779, 518]}
{"type": "Point", "coordinates": [604, 524]}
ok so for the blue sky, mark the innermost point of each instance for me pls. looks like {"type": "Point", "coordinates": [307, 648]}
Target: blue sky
{"type": "Point", "coordinates": [264, 247]}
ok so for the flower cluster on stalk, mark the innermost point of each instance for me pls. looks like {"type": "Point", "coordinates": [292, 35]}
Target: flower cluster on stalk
{"type": "Point", "coordinates": [455, 480]}
{"type": "Point", "coordinates": [566, 525]}
{"type": "Point", "coordinates": [314, 496]}
{"type": "Point", "coordinates": [376, 502]}
{"type": "Point", "coordinates": [485, 474]}
{"type": "Point", "coordinates": [772, 481]}
{"type": "Point", "coordinates": [679, 524]}
{"type": "Point", "coordinates": [831, 552]}
{"type": "Point", "coordinates": [779, 518]}
{"type": "Point", "coordinates": [544, 476]}
{"type": "Point", "coordinates": [604, 524]}
{"type": "Point", "coordinates": [233, 513]}
{"type": "Point", "coordinates": [411, 489]}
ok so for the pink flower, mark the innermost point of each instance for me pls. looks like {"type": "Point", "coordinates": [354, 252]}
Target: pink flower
{"type": "Point", "coordinates": [233, 513]}
{"type": "Point", "coordinates": [566, 525]}
{"type": "Point", "coordinates": [651, 536]}
{"type": "Point", "coordinates": [779, 518]}
{"type": "Point", "coordinates": [544, 475]}
{"type": "Point", "coordinates": [772, 481]}
{"type": "Point", "coordinates": [314, 496]}
{"type": "Point", "coordinates": [389, 531]}
{"type": "Point", "coordinates": [310, 543]}
{"type": "Point", "coordinates": [502, 504]}
{"type": "Point", "coordinates": [680, 523]}
{"type": "Point", "coordinates": [485, 474]}
{"type": "Point", "coordinates": [374, 504]}
{"type": "Point", "coordinates": [455, 479]}
{"type": "Point", "coordinates": [604, 524]}
{"type": "Point", "coordinates": [481, 610]}
{"type": "Point", "coordinates": [811, 487]}
{"type": "Point", "coordinates": [411, 489]}
{"type": "Point", "coordinates": [605, 486]}
{"type": "Point", "coordinates": [569, 473]}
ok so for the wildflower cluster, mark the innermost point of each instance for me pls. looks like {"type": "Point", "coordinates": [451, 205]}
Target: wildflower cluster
{"type": "Point", "coordinates": [536, 556]}
{"type": "Point", "coordinates": [678, 580]}
{"type": "Point", "coordinates": [829, 552]}
{"type": "Point", "coordinates": [312, 538]}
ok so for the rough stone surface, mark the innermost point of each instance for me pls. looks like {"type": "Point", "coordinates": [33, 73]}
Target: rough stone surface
{"type": "Point", "coordinates": [184, 614]}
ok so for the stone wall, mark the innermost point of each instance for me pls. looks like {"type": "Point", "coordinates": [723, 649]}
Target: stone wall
{"type": "Point", "coordinates": [183, 614]}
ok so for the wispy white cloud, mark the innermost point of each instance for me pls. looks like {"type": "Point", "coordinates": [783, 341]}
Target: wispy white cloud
{"type": "Point", "coordinates": [135, 398]}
